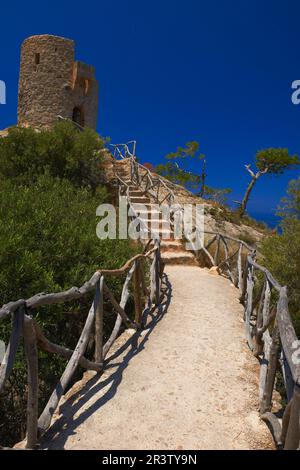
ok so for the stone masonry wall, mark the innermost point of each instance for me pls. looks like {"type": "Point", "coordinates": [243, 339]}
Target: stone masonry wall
{"type": "Point", "coordinates": [52, 84]}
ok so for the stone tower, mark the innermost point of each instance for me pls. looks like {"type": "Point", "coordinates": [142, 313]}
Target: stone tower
{"type": "Point", "coordinates": [52, 84]}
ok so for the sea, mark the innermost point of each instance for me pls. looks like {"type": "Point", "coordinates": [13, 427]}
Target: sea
{"type": "Point", "coordinates": [271, 219]}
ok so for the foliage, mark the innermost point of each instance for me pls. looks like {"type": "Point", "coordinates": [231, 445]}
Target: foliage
{"type": "Point", "coordinates": [176, 168]}
{"type": "Point", "coordinates": [48, 237]}
{"type": "Point", "coordinates": [272, 161]}
{"type": "Point", "coordinates": [275, 160]}
{"type": "Point", "coordinates": [291, 203]}
{"type": "Point", "coordinates": [49, 193]}
{"type": "Point", "coordinates": [48, 243]}
{"type": "Point", "coordinates": [64, 151]}
{"type": "Point", "coordinates": [282, 251]}
{"type": "Point", "coordinates": [219, 195]}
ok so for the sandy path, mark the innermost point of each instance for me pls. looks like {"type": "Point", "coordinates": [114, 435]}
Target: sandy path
{"type": "Point", "coordinates": [188, 383]}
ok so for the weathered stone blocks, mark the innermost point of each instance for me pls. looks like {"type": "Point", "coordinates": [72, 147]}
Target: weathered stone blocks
{"type": "Point", "coordinates": [52, 84]}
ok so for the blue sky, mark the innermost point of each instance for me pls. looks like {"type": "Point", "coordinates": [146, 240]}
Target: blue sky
{"type": "Point", "coordinates": [219, 72]}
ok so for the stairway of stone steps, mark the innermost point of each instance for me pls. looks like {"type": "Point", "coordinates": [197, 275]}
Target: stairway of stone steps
{"type": "Point", "coordinates": [172, 250]}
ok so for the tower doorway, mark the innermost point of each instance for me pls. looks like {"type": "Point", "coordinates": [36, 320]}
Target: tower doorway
{"type": "Point", "coordinates": [78, 116]}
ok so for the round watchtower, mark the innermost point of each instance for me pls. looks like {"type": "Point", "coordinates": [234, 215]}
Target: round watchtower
{"type": "Point", "coordinates": [51, 84]}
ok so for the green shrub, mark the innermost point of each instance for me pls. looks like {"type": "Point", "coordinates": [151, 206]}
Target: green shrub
{"type": "Point", "coordinates": [48, 243]}
{"type": "Point", "coordinates": [282, 251]}
{"type": "Point", "coordinates": [63, 151]}
{"type": "Point", "coordinates": [49, 192]}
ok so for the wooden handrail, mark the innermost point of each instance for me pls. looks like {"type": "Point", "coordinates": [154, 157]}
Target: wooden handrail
{"type": "Point", "coordinates": [268, 325]}
{"type": "Point", "coordinates": [269, 328]}
{"type": "Point", "coordinates": [34, 337]}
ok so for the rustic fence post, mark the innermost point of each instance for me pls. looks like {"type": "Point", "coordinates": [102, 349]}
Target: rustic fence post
{"type": "Point", "coordinates": [266, 401]}
{"type": "Point", "coordinates": [137, 293]}
{"type": "Point", "coordinates": [244, 284]}
{"type": "Point", "coordinates": [239, 267]}
{"type": "Point", "coordinates": [99, 322]}
{"type": "Point", "coordinates": [248, 311]}
{"type": "Point", "coordinates": [45, 418]}
{"type": "Point", "coordinates": [118, 323]}
{"type": "Point", "coordinates": [292, 440]}
{"type": "Point", "coordinates": [32, 372]}
{"type": "Point", "coordinates": [216, 257]}
{"type": "Point", "coordinates": [157, 271]}
{"type": "Point", "coordinates": [11, 351]}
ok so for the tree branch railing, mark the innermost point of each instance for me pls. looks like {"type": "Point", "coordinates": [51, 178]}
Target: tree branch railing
{"type": "Point", "coordinates": [269, 331]}
{"type": "Point", "coordinates": [24, 324]}
{"type": "Point", "coordinates": [122, 151]}
{"type": "Point", "coordinates": [141, 176]}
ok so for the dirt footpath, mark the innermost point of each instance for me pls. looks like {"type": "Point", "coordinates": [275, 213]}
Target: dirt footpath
{"type": "Point", "coordinates": [187, 382]}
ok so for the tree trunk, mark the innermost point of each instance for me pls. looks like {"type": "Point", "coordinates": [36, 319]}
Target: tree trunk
{"type": "Point", "coordinates": [203, 176]}
{"type": "Point", "coordinates": [247, 194]}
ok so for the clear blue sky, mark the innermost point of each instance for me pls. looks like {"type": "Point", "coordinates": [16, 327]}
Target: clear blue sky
{"type": "Point", "coordinates": [170, 71]}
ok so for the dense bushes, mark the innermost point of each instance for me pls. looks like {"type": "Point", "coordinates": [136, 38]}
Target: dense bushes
{"type": "Point", "coordinates": [64, 152]}
{"type": "Point", "coordinates": [48, 200]}
{"type": "Point", "coordinates": [282, 251]}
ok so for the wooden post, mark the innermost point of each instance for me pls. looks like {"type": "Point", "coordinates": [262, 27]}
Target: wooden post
{"type": "Point", "coordinates": [285, 421]}
{"type": "Point", "coordinates": [287, 376]}
{"type": "Point", "coordinates": [244, 282]}
{"type": "Point", "coordinates": [118, 323]}
{"type": "Point", "coordinates": [32, 368]}
{"type": "Point", "coordinates": [216, 257]}
{"type": "Point", "coordinates": [248, 312]}
{"type": "Point", "coordinates": [157, 272]}
{"type": "Point", "coordinates": [99, 322]}
{"type": "Point", "coordinates": [45, 418]}
{"type": "Point", "coordinates": [137, 293]}
{"type": "Point", "coordinates": [259, 344]}
{"type": "Point", "coordinates": [239, 267]}
{"type": "Point", "coordinates": [11, 351]}
{"type": "Point", "coordinates": [292, 440]}
{"type": "Point", "coordinates": [266, 402]}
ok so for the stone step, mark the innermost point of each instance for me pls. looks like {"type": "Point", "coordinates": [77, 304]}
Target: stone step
{"type": "Point", "coordinates": [156, 223]}
{"type": "Point", "coordinates": [148, 215]}
{"type": "Point", "coordinates": [171, 245]}
{"type": "Point", "coordinates": [155, 218]}
{"type": "Point", "coordinates": [180, 257]}
{"type": "Point", "coordinates": [140, 199]}
{"type": "Point", "coordinates": [135, 192]}
{"type": "Point", "coordinates": [149, 207]}
{"type": "Point", "coordinates": [163, 234]}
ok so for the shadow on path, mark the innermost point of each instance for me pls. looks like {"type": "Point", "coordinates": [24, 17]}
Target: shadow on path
{"type": "Point", "coordinates": [67, 423]}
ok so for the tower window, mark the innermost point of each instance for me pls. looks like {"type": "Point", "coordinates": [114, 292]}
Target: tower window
{"type": "Point", "coordinates": [37, 58]}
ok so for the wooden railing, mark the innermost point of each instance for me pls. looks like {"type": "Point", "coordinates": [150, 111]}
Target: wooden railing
{"type": "Point", "coordinates": [141, 176]}
{"type": "Point", "coordinates": [269, 331]}
{"type": "Point", "coordinates": [121, 151]}
{"type": "Point", "coordinates": [23, 323]}
{"type": "Point", "coordinates": [272, 338]}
